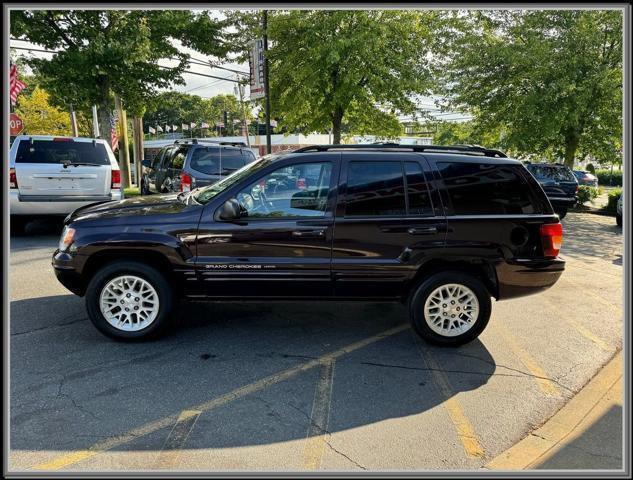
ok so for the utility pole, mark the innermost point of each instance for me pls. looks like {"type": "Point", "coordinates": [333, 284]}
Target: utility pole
{"type": "Point", "coordinates": [95, 122]}
{"type": "Point", "coordinates": [266, 86]}
{"type": "Point", "coordinates": [240, 89]}
{"type": "Point", "coordinates": [124, 154]}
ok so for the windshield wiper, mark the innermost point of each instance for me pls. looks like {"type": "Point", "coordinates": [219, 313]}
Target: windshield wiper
{"type": "Point", "coordinates": [89, 164]}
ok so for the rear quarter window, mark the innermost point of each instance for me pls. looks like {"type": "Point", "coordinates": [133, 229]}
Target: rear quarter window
{"type": "Point", "coordinates": [487, 189]}
{"type": "Point", "coordinates": [59, 152]}
{"type": "Point", "coordinates": [216, 161]}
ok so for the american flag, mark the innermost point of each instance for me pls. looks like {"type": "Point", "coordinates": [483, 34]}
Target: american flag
{"type": "Point", "coordinates": [204, 125]}
{"type": "Point", "coordinates": [114, 137]}
{"type": "Point", "coordinates": [16, 84]}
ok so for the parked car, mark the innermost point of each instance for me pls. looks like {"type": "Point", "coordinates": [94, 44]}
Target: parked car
{"type": "Point", "coordinates": [440, 229]}
{"type": "Point", "coordinates": [586, 178]}
{"type": "Point", "coordinates": [192, 163]}
{"type": "Point", "coordinates": [56, 175]}
{"type": "Point", "coordinates": [618, 211]}
{"type": "Point", "coordinates": [559, 183]}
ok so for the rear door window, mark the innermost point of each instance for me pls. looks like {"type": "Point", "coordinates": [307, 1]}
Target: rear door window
{"type": "Point", "coordinates": [486, 189]}
{"type": "Point", "coordinates": [216, 161]}
{"type": "Point", "coordinates": [176, 158]}
{"type": "Point", "coordinates": [59, 152]}
{"type": "Point", "coordinates": [374, 189]}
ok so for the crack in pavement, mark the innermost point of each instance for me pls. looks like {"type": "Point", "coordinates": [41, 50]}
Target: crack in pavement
{"type": "Point", "coordinates": [48, 327]}
{"type": "Point", "coordinates": [70, 397]}
{"type": "Point", "coordinates": [327, 442]}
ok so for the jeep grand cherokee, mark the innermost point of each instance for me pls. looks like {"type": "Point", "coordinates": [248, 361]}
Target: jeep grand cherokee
{"type": "Point", "coordinates": [442, 229]}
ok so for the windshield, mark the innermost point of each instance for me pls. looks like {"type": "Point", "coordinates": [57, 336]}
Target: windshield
{"type": "Point", "coordinates": [207, 193]}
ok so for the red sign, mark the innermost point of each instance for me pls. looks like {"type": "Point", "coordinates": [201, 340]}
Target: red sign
{"type": "Point", "coordinates": [17, 125]}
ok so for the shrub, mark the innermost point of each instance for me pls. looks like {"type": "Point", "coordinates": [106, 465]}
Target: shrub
{"type": "Point", "coordinates": [605, 177]}
{"type": "Point", "coordinates": [591, 169]}
{"type": "Point", "coordinates": [612, 200]}
{"type": "Point", "coordinates": [587, 193]}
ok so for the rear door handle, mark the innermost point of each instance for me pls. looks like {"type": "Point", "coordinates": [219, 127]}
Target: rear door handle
{"type": "Point", "coordinates": [422, 230]}
{"type": "Point", "coordinates": [309, 233]}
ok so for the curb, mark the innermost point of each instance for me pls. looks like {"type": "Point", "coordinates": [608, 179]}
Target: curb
{"type": "Point", "coordinates": [556, 431]}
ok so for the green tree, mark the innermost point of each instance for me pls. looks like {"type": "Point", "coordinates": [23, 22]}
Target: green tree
{"type": "Point", "coordinates": [107, 52]}
{"type": "Point", "coordinates": [40, 117]}
{"type": "Point", "coordinates": [550, 79]}
{"type": "Point", "coordinates": [354, 67]}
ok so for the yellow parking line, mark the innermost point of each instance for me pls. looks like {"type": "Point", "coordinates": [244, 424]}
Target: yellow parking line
{"type": "Point", "coordinates": [113, 442]}
{"type": "Point", "coordinates": [578, 327]}
{"type": "Point", "coordinates": [319, 418]}
{"type": "Point", "coordinates": [465, 430]}
{"type": "Point", "coordinates": [547, 386]}
{"type": "Point", "coordinates": [170, 453]}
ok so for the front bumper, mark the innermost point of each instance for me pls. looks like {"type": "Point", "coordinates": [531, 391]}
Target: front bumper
{"type": "Point", "coordinates": [65, 271]}
{"type": "Point", "coordinates": [30, 205]}
{"type": "Point", "coordinates": [521, 277]}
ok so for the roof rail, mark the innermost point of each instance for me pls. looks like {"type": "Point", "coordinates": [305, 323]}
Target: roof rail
{"type": "Point", "coordinates": [467, 149]}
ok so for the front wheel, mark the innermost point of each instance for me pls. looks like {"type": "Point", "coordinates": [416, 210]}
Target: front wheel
{"type": "Point", "coordinates": [129, 300]}
{"type": "Point", "coordinates": [450, 308]}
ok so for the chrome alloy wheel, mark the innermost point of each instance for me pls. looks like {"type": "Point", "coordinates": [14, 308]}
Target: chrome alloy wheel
{"type": "Point", "coordinates": [451, 309]}
{"type": "Point", "coordinates": [129, 303]}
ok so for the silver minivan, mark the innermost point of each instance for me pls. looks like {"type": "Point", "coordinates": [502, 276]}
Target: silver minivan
{"type": "Point", "coordinates": [55, 175]}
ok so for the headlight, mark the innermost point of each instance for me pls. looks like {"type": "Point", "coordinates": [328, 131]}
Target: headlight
{"type": "Point", "coordinates": [66, 240]}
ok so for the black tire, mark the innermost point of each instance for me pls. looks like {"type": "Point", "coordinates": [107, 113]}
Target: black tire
{"type": "Point", "coordinates": [421, 293]}
{"type": "Point", "coordinates": [149, 274]}
{"type": "Point", "coordinates": [562, 212]}
{"type": "Point", "coordinates": [618, 220]}
{"type": "Point", "coordinates": [17, 224]}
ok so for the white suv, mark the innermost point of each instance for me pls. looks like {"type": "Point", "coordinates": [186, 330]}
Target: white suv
{"type": "Point", "coordinates": [56, 175]}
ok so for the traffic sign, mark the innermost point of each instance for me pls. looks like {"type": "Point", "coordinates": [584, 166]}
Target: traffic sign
{"type": "Point", "coordinates": [17, 125]}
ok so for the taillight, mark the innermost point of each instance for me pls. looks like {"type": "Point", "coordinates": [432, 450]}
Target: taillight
{"type": "Point", "coordinates": [577, 188]}
{"type": "Point", "coordinates": [13, 180]}
{"type": "Point", "coordinates": [551, 238]}
{"type": "Point", "coordinates": [301, 183]}
{"type": "Point", "coordinates": [185, 182]}
{"type": "Point", "coordinates": [116, 179]}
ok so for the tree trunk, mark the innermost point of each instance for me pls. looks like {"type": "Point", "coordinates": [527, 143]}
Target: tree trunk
{"type": "Point", "coordinates": [337, 120]}
{"type": "Point", "coordinates": [139, 153]}
{"type": "Point", "coordinates": [103, 115]}
{"type": "Point", "coordinates": [572, 140]}
{"type": "Point", "coordinates": [124, 153]}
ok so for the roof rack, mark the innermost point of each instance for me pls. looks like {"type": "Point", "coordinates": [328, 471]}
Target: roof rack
{"type": "Point", "coordinates": [467, 149]}
{"type": "Point", "coordinates": [195, 141]}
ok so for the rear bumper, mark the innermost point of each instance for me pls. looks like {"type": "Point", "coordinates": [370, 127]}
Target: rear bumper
{"type": "Point", "coordinates": [52, 205]}
{"type": "Point", "coordinates": [563, 201]}
{"type": "Point", "coordinates": [518, 278]}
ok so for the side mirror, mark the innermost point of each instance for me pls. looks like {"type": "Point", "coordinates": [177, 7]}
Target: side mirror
{"type": "Point", "coordinates": [146, 163]}
{"type": "Point", "coordinates": [230, 210]}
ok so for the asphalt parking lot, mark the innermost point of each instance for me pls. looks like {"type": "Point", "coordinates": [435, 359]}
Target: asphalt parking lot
{"type": "Point", "coordinates": [299, 386]}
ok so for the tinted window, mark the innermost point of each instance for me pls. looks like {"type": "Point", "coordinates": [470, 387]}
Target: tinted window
{"type": "Point", "coordinates": [417, 190]}
{"type": "Point", "coordinates": [213, 161]}
{"type": "Point", "coordinates": [47, 151]}
{"type": "Point", "coordinates": [293, 191]}
{"type": "Point", "coordinates": [551, 172]}
{"type": "Point", "coordinates": [484, 189]}
{"type": "Point", "coordinates": [374, 189]}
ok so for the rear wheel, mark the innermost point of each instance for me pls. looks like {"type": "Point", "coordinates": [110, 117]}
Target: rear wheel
{"type": "Point", "coordinates": [129, 300]}
{"type": "Point", "coordinates": [450, 308]}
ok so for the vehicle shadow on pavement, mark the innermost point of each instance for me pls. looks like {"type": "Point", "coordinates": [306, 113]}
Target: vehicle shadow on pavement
{"type": "Point", "coordinates": [78, 387]}
{"type": "Point", "coordinates": [586, 235]}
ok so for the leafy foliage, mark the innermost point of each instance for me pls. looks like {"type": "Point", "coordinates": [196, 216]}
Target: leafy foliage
{"type": "Point", "coordinates": [40, 117]}
{"type": "Point", "coordinates": [551, 79]}
{"type": "Point", "coordinates": [174, 108]}
{"type": "Point", "coordinates": [358, 67]}
{"type": "Point", "coordinates": [612, 199]}
{"type": "Point", "coordinates": [587, 193]}
{"type": "Point", "coordinates": [106, 52]}
{"type": "Point", "coordinates": [608, 177]}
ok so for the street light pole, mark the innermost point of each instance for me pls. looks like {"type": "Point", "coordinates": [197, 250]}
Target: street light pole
{"type": "Point", "coordinates": [266, 86]}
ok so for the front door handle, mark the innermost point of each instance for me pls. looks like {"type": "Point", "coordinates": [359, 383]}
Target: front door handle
{"type": "Point", "coordinates": [422, 230]}
{"type": "Point", "coordinates": [309, 233]}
